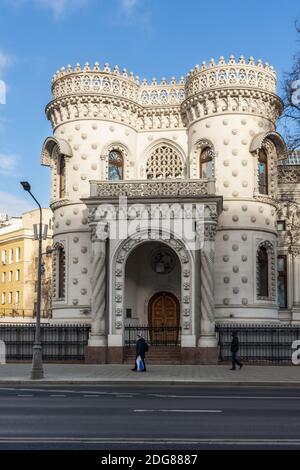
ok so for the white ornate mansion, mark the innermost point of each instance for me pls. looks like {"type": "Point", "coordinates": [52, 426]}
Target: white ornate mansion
{"type": "Point", "coordinates": [208, 141]}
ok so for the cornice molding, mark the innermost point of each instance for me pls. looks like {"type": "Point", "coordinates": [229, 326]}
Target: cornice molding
{"type": "Point", "coordinates": [230, 101]}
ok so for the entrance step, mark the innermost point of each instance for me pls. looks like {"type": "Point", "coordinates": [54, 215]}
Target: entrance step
{"type": "Point", "coordinates": [155, 355]}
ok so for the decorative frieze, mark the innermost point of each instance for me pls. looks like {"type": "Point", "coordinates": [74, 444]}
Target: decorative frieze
{"type": "Point", "coordinates": [288, 174]}
{"type": "Point", "coordinates": [152, 188]}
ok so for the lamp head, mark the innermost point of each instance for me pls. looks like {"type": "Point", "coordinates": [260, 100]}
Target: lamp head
{"type": "Point", "coordinates": [26, 185]}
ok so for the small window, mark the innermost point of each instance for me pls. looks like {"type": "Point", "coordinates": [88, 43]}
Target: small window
{"type": "Point", "coordinates": [61, 265]}
{"type": "Point", "coordinates": [3, 256]}
{"type": "Point", "coordinates": [61, 177]}
{"type": "Point", "coordinates": [281, 226]}
{"type": "Point", "coordinates": [3, 298]}
{"type": "Point", "coordinates": [10, 297]}
{"type": "Point", "coordinates": [17, 274]}
{"type": "Point", "coordinates": [206, 163]}
{"type": "Point", "coordinates": [282, 281]}
{"type": "Point", "coordinates": [263, 272]}
{"type": "Point", "coordinates": [11, 256]}
{"type": "Point", "coordinates": [3, 277]}
{"type": "Point", "coordinates": [17, 297]}
{"type": "Point", "coordinates": [115, 166]}
{"type": "Point", "coordinates": [128, 313]}
{"type": "Point", "coordinates": [262, 172]}
{"type": "Point", "coordinates": [10, 276]}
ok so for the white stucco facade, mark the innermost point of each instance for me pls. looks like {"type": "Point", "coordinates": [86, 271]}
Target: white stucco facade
{"type": "Point", "coordinates": [160, 130]}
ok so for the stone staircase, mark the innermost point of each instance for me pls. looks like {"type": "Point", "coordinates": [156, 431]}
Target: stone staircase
{"type": "Point", "coordinates": [155, 355]}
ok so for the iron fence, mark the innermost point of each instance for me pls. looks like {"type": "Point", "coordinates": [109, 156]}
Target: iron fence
{"type": "Point", "coordinates": [60, 342]}
{"type": "Point", "coordinates": [154, 335]}
{"type": "Point", "coordinates": [259, 343]}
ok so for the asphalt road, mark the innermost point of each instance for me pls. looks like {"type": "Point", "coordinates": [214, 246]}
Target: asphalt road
{"type": "Point", "coordinates": [149, 418]}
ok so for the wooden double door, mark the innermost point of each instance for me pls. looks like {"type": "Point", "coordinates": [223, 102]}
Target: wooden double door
{"type": "Point", "coordinates": [164, 318]}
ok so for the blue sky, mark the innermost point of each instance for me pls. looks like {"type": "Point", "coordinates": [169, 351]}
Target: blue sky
{"type": "Point", "coordinates": [152, 38]}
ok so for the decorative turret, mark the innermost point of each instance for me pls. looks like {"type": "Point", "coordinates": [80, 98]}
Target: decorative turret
{"type": "Point", "coordinates": [233, 86]}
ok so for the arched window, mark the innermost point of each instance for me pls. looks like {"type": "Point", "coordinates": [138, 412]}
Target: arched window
{"type": "Point", "coordinates": [61, 177]}
{"type": "Point", "coordinates": [262, 272]}
{"type": "Point", "coordinates": [262, 172]}
{"type": "Point", "coordinates": [164, 162]}
{"type": "Point", "coordinates": [115, 166]}
{"type": "Point", "coordinates": [206, 162]}
{"type": "Point", "coordinates": [61, 273]}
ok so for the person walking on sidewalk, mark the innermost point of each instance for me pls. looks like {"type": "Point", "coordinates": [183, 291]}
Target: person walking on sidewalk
{"type": "Point", "coordinates": [234, 350]}
{"type": "Point", "coordinates": [141, 349]}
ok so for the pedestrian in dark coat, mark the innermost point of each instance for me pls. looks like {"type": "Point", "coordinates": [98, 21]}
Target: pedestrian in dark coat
{"type": "Point", "coordinates": [140, 350]}
{"type": "Point", "coordinates": [234, 350]}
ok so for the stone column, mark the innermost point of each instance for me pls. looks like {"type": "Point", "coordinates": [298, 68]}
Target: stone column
{"type": "Point", "coordinates": [98, 336]}
{"type": "Point", "coordinates": [207, 337]}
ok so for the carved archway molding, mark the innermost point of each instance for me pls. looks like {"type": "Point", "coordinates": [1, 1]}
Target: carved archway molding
{"type": "Point", "coordinates": [197, 148]}
{"type": "Point", "coordinates": [259, 140]}
{"type": "Point", "coordinates": [120, 257]}
{"type": "Point", "coordinates": [269, 246]}
{"type": "Point", "coordinates": [52, 148]}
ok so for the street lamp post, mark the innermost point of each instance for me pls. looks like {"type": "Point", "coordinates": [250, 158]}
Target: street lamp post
{"type": "Point", "coordinates": [37, 371]}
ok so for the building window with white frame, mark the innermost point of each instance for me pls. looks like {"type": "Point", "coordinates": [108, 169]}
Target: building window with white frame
{"type": "Point", "coordinates": [206, 162]}
{"type": "Point", "coordinates": [263, 272]}
{"type": "Point", "coordinates": [10, 276]}
{"type": "Point", "coordinates": [10, 297]}
{"type": "Point", "coordinates": [262, 172]}
{"type": "Point", "coordinates": [3, 298]}
{"type": "Point", "coordinates": [17, 274]}
{"type": "Point", "coordinates": [61, 177]}
{"type": "Point", "coordinates": [3, 256]}
{"type": "Point", "coordinates": [17, 297]}
{"type": "Point", "coordinates": [115, 166]}
{"type": "Point", "coordinates": [3, 277]}
{"type": "Point", "coordinates": [10, 256]}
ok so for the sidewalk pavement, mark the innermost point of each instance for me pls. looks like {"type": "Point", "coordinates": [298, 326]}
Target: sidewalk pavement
{"type": "Point", "coordinates": [115, 374]}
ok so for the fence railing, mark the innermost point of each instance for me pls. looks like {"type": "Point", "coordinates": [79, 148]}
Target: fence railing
{"type": "Point", "coordinates": [154, 335]}
{"type": "Point", "coordinates": [259, 343]}
{"type": "Point", "coordinates": [59, 342]}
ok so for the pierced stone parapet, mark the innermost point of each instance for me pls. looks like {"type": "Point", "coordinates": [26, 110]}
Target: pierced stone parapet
{"type": "Point", "coordinates": [111, 189]}
{"type": "Point", "coordinates": [240, 73]}
{"type": "Point", "coordinates": [288, 174]}
{"type": "Point", "coordinates": [110, 94]}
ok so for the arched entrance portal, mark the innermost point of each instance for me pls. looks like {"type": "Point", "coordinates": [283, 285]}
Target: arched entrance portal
{"type": "Point", "coordinates": [164, 318]}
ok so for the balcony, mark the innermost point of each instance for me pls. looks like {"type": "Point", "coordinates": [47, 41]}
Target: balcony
{"type": "Point", "coordinates": [152, 189]}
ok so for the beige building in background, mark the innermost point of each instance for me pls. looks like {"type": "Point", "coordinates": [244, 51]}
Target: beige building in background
{"type": "Point", "coordinates": [18, 268]}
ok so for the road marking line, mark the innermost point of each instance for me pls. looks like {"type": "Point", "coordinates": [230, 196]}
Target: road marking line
{"type": "Point", "coordinates": [123, 396]}
{"type": "Point", "coordinates": [143, 411]}
{"type": "Point", "coordinates": [191, 411]}
{"type": "Point", "coordinates": [25, 395]}
{"type": "Point", "coordinates": [176, 411]}
{"type": "Point", "coordinates": [58, 396]}
{"type": "Point", "coordinates": [225, 397]}
{"type": "Point", "coordinates": [91, 396]}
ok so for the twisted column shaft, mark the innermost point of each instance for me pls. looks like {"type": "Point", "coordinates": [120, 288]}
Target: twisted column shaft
{"type": "Point", "coordinates": [207, 291]}
{"type": "Point", "coordinates": [98, 284]}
